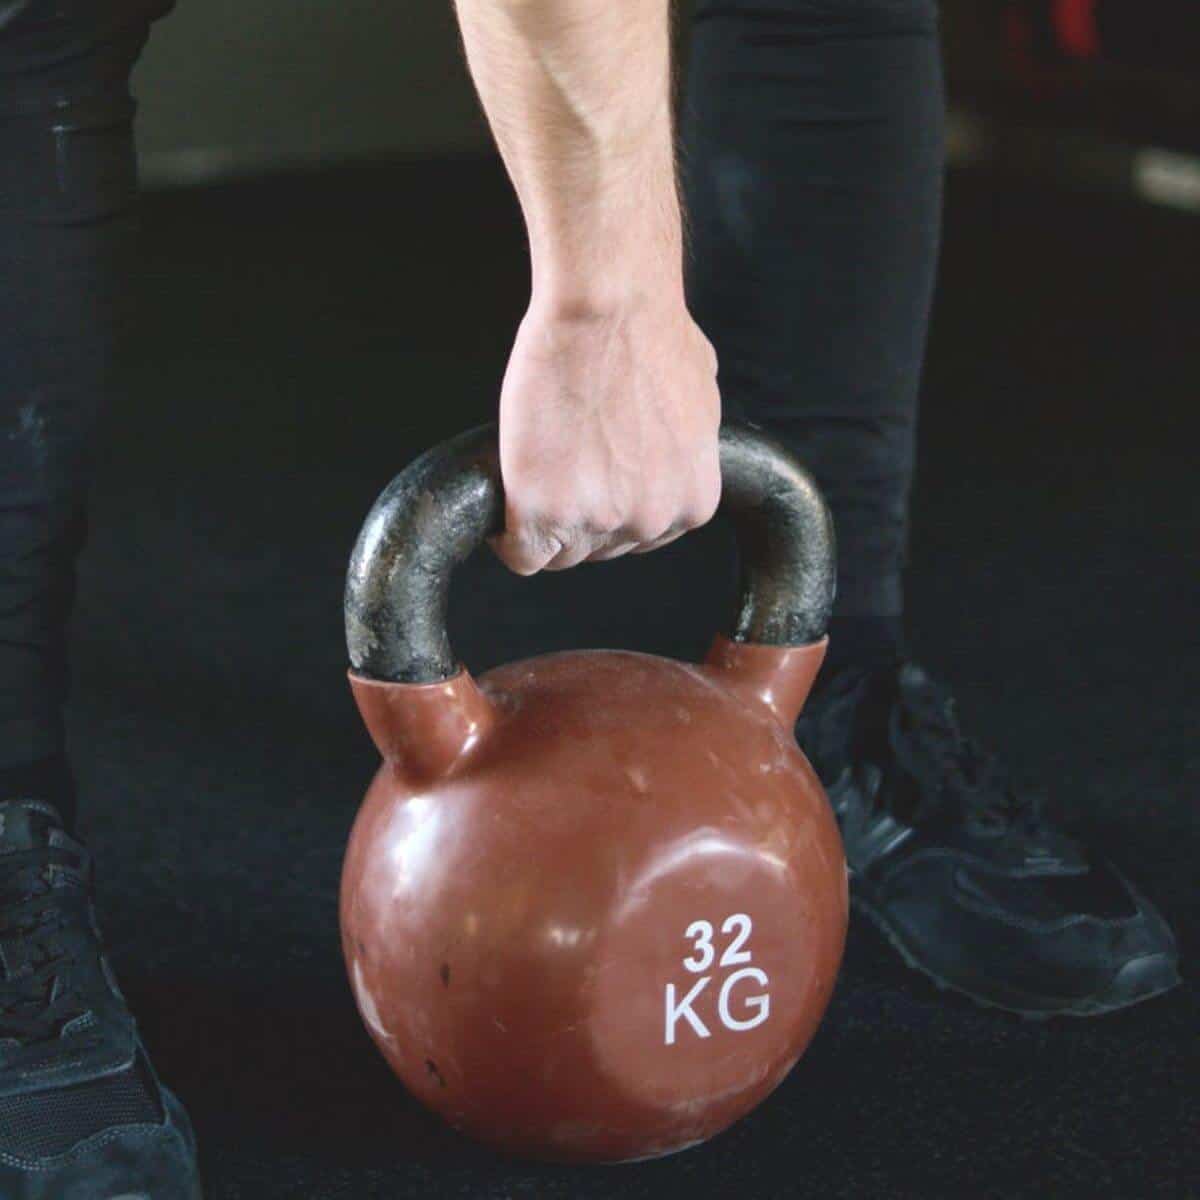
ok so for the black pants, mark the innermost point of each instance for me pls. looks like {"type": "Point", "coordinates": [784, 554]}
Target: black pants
{"type": "Point", "coordinates": [812, 160]}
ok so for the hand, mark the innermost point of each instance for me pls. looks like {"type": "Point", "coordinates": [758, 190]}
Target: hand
{"type": "Point", "coordinates": [608, 434]}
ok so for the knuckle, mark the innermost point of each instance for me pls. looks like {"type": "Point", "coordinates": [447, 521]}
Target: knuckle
{"type": "Point", "coordinates": [568, 544]}
{"type": "Point", "coordinates": [606, 520]}
{"type": "Point", "coordinates": [537, 540]}
{"type": "Point", "coordinates": [649, 527]}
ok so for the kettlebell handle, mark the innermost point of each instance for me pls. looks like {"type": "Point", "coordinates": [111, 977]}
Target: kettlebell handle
{"type": "Point", "coordinates": [447, 502]}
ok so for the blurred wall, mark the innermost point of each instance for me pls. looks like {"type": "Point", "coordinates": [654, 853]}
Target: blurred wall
{"type": "Point", "coordinates": [238, 84]}
{"type": "Point", "coordinates": [232, 85]}
{"type": "Point", "coordinates": [242, 85]}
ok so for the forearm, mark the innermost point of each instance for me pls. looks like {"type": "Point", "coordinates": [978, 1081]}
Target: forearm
{"type": "Point", "coordinates": [578, 96]}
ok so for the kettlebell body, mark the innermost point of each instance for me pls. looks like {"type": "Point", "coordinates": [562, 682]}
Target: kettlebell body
{"type": "Point", "coordinates": [594, 905]}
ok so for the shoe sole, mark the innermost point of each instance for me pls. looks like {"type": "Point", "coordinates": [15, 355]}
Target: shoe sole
{"type": "Point", "coordinates": [1138, 980]}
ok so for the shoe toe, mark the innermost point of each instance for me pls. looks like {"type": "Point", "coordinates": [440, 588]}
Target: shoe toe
{"type": "Point", "coordinates": [1140, 979]}
{"type": "Point", "coordinates": [1145, 956]}
{"type": "Point", "coordinates": [1038, 945]}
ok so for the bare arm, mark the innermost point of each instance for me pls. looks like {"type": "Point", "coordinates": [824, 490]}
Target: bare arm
{"type": "Point", "coordinates": [609, 412]}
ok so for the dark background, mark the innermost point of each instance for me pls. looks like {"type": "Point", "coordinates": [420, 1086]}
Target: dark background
{"type": "Point", "coordinates": [305, 334]}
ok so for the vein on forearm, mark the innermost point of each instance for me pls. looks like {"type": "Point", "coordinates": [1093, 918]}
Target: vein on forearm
{"type": "Point", "coordinates": [578, 96]}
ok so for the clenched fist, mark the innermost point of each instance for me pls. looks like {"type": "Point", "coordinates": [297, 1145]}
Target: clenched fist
{"type": "Point", "coordinates": [608, 434]}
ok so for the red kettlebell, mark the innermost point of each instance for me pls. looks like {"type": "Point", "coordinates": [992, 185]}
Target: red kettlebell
{"type": "Point", "coordinates": [594, 904]}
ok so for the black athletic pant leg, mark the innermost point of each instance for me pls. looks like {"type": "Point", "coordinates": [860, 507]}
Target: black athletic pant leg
{"type": "Point", "coordinates": [67, 196]}
{"type": "Point", "coordinates": [812, 145]}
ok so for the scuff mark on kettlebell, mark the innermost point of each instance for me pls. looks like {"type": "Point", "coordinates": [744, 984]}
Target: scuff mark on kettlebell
{"type": "Point", "coordinates": [445, 974]}
{"type": "Point", "coordinates": [432, 1068]}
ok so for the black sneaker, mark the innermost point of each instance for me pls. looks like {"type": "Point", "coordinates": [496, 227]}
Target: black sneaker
{"type": "Point", "coordinates": [962, 874]}
{"type": "Point", "coordinates": [82, 1115]}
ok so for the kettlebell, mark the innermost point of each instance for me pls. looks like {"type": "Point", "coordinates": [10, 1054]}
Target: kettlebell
{"type": "Point", "coordinates": [594, 904]}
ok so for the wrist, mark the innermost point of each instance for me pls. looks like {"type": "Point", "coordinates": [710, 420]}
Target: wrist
{"type": "Point", "coordinates": [610, 237]}
{"type": "Point", "coordinates": [611, 295]}
{"type": "Point", "coordinates": [608, 268]}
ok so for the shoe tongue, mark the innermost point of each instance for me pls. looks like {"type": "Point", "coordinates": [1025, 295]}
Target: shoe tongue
{"type": "Point", "coordinates": [26, 825]}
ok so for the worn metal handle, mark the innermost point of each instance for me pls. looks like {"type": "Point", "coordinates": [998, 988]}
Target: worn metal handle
{"type": "Point", "coordinates": [447, 502]}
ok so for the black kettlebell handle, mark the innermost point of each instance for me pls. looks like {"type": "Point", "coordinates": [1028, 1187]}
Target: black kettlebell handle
{"type": "Point", "coordinates": [447, 502]}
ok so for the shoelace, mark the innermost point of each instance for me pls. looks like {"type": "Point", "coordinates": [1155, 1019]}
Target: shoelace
{"type": "Point", "coordinates": [37, 1000]}
{"type": "Point", "coordinates": [952, 769]}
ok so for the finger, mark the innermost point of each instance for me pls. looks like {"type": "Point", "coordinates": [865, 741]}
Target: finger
{"type": "Point", "coordinates": [578, 550]}
{"type": "Point", "coordinates": [607, 552]}
{"type": "Point", "coordinates": [525, 550]}
{"type": "Point", "coordinates": [672, 535]}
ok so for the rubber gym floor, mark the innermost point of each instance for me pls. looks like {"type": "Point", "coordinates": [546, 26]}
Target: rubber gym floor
{"type": "Point", "coordinates": [303, 338]}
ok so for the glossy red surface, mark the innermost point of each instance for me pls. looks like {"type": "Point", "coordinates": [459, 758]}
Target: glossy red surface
{"type": "Point", "coordinates": [593, 909]}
